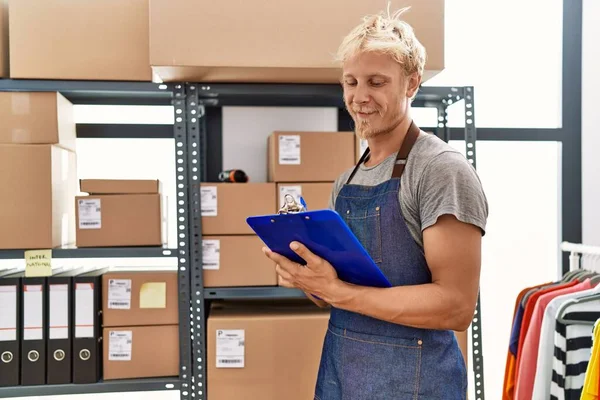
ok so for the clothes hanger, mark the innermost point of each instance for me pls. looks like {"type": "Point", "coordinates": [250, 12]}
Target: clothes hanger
{"type": "Point", "coordinates": [562, 310]}
{"type": "Point", "coordinates": [595, 262]}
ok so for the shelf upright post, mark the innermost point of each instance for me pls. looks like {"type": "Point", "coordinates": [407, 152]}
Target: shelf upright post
{"type": "Point", "coordinates": [476, 333]}
{"type": "Point", "coordinates": [183, 242]}
{"type": "Point", "coordinates": [443, 131]}
{"type": "Point", "coordinates": [196, 131]}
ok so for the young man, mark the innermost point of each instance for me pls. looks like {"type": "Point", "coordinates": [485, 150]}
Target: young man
{"type": "Point", "coordinates": [418, 207]}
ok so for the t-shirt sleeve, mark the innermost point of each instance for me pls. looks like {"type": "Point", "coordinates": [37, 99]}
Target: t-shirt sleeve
{"type": "Point", "coordinates": [450, 185]}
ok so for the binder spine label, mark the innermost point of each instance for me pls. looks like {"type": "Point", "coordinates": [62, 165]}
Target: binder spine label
{"type": "Point", "coordinates": [90, 214]}
{"type": "Point", "coordinates": [230, 348]}
{"type": "Point", "coordinates": [33, 312]}
{"type": "Point", "coordinates": [8, 313]}
{"type": "Point", "coordinates": [119, 345]}
{"type": "Point", "coordinates": [59, 312]}
{"type": "Point", "coordinates": [84, 310]}
{"type": "Point", "coordinates": [119, 294]}
{"type": "Point", "coordinates": [211, 249]}
{"type": "Point", "coordinates": [208, 201]}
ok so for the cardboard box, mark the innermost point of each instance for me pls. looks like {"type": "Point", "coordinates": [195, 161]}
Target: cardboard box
{"type": "Point", "coordinates": [360, 147]}
{"type": "Point", "coordinates": [279, 43]}
{"type": "Point", "coordinates": [309, 156]}
{"type": "Point", "coordinates": [138, 298]}
{"type": "Point", "coordinates": [225, 206]}
{"type": "Point", "coordinates": [36, 201]}
{"type": "Point", "coordinates": [4, 60]}
{"type": "Point", "coordinates": [463, 343]}
{"type": "Point", "coordinates": [72, 39]}
{"type": "Point", "coordinates": [316, 195]}
{"type": "Point", "coordinates": [118, 219]}
{"type": "Point", "coordinates": [120, 186]}
{"type": "Point", "coordinates": [236, 261]}
{"type": "Point", "coordinates": [153, 351]}
{"type": "Point", "coordinates": [280, 351]}
{"type": "Point", "coordinates": [37, 118]}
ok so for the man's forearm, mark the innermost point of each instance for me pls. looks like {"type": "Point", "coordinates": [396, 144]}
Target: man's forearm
{"type": "Point", "coordinates": [428, 306]}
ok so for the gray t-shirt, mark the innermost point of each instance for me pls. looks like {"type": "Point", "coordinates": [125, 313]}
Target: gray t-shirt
{"type": "Point", "coordinates": [437, 180]}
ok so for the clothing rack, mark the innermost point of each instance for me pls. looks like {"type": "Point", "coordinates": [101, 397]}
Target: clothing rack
{"type": "Point", "coordinates": [577, 250]}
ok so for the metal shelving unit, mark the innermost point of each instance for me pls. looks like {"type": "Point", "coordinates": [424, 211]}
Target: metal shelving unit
{"type": "Point", "coordinates": [203, 115]}
{"type": "Point", "coordinates": [128, 385]}
{"type": "Point", "coordinates": [123, 93]}
{"type": "Point", "coordinates": [197, 128]}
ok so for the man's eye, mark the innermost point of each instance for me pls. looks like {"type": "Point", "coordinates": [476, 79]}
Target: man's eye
{"type": "Point", "coordinates": [377, 83]}
{"type": "Point", "coordinates": [351, 83]}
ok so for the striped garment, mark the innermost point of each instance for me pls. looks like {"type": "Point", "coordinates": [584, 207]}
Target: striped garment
{"type": "Point", "coordinates": [572, 350]}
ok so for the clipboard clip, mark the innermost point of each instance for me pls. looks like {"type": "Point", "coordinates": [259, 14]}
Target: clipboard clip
{"type": "Point", "coordinates": [291, 206]}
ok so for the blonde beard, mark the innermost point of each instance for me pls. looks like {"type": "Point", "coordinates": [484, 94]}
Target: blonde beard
{"type": "Point", "coordinates": [364, 131]}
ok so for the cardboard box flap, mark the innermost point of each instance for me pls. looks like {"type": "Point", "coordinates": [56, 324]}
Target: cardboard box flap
{"type": "Point", "coordinates": [120, 186]}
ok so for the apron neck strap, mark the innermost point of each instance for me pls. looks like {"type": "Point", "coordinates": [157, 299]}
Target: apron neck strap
{"type": "Point", "coordinates": [409, 140]}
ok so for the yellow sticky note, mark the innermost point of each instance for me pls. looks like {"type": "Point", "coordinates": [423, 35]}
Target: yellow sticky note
{"type": "Point", "coordinates": [153, 295]}
{"type": "Point", "coordinates": [38, 263]}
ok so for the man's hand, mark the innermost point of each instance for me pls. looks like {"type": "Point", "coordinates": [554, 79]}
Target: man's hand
{"type": "Point", "coordinates": [316, 278]}
{"type": "Point", "coordinates": [453, 253]}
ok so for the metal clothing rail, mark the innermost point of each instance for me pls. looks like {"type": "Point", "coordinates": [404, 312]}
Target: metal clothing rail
{"type": "Point", "coordinates": [577, 250]}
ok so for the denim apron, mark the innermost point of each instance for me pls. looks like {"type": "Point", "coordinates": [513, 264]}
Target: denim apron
{"type": "Point", "coordinates": [364, 358]}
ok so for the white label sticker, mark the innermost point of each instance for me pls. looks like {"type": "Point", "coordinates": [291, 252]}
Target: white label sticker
{"type": "Point", "coordinates": [363, 146]}
{"type": "Point", "coordinates": [230, 348]}
{"type": "Point", "coordinates": [119, 345]}
{"type": "Point", "coordinates": [289, 149]}
{"type": "Point", "coordinates": [90, 214]}
{"type": "Point", "coordinates": [208, 201]}
{"type": "Point", "coordinates": [8, 313]}
{"type": "Point", "coordinates": [211, 253]}
{"type": "Point", "coordinates": [59, 312]}
{"type": "Point", "coordinates": [295, 191]}
{"type": "Point", "coordinates": [84, 310]}
{"type": "Point", "coordinates": [119, 294]}
{"type": "Point", "coordinates": [33, 312]}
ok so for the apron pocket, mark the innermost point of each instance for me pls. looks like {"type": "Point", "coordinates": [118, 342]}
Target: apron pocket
{"type": "Point", "coordinates": [375, 367]}
{"type": "Point", "coordinates": [367, 229]}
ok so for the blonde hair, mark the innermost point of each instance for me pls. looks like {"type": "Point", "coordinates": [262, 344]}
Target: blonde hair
{"type": "Point", "coordinates": [386, 34]}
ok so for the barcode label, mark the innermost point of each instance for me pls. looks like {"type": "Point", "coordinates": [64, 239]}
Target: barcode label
{"type": "Point", "coordinates": [119, 294]}
{"type": "Point", "coordinates": [208, 201]}
{"type": "Point", "coordinates": [90, 214]}
{"type": "Point", "coordinates": [120, 344]}
{"type": "Point", "coordinates": [230, 348]}
{"type": "Point", "coordinates": [289, 149]}
{"type": "Point", "coordinates": [211, 253]}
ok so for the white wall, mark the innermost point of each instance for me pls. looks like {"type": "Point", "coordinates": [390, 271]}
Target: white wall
{"type": "Point", "coordinates": [590, 86]}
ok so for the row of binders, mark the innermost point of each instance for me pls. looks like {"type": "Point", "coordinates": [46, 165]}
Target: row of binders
{"type": "Point", "coordinates": [50, 328]}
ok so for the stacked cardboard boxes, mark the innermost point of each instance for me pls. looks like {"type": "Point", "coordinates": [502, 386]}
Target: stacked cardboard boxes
{"type": "Point", "coordinates": [307, 163]}
{"type": "Point", "coordinates": [232, 254]}
{"type": "Point", "coordinates": [119, 213]}
{"type": "Point", "coordinates": [38, 170]}
{"type": "Point", "coordinates": [141, 324]}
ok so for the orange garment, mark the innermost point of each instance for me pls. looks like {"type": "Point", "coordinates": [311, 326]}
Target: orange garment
{"type": "Point", "coordinates": [529, 307]}
{"type": "Point", "coordinates": [511, 359]}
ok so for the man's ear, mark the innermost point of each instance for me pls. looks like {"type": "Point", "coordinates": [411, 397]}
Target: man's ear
{"type": "Point", "coordinates": [414, 82]}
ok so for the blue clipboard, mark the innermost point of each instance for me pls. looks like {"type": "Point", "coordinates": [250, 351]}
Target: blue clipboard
{"type": "Point", "coordinates": [325, 234]}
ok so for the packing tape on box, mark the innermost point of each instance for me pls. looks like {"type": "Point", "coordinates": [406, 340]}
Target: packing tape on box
{"type": "Point", "coordinates": [21, 103]}
{"type": "Point", "coordinates": [20, 135]}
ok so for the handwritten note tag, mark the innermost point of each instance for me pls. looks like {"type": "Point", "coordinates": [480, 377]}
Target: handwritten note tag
{"type": "Point", "coordinates": [38, 263]}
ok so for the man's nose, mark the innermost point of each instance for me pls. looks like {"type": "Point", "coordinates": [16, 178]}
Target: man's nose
{"type": "Point", "coordinates": [361, 94]}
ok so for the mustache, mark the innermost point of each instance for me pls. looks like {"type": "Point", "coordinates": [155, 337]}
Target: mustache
{"type": "Point", "coordinates": [365, 110]}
